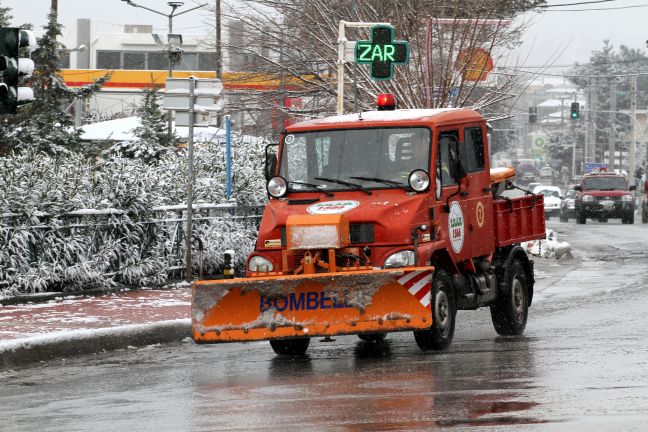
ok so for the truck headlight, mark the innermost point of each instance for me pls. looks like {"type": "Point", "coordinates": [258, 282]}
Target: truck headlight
{"type": "Point", "coordinates": [400, 259]}
{"type": "Point", "coordinates": [588, 198]}
{"type": "Point", "coordinates": [626, 198]}
{"type": "Point", "coordinates": [277, 187]}
{"type": "Point", "coordinates": [259, 264]}
{"type": "Point", "coordinates": [419, 180]}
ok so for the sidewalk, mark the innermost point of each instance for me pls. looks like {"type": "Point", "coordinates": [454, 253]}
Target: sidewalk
{"type": "Point", "coordinates": [82, 324]}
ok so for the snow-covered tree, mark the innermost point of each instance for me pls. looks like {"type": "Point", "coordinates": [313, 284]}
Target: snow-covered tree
{"type": "Point", "coordinates": [295, 43]}
{"type": "Point", "coordinates": [153, 137]}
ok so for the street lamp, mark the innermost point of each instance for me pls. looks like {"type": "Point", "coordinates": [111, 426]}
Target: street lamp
{"type": "Point", "coordinates": [173, 5]}
{"type": "Point", "coordinates": [174, 41]}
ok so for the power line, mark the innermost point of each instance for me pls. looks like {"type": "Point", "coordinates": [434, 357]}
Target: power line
{"type": "Point", "coordinates": [598, 9]}
{"type": "Point", "coordinates": [575, 4]}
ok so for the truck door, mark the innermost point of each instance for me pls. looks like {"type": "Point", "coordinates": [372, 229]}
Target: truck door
{"type": "Point", "coordinates": [453, 198]}
{"type": "Point", "coordinates": [476, 195]}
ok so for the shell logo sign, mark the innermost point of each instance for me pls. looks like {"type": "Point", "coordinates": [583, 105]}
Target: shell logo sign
{"type": "Point", "coordinates": [474, 64]}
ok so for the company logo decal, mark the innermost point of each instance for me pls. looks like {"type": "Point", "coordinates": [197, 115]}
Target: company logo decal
{"type": "Point", "coordinates": [480, 214]}
{"type": "Point", "coordinates": [456, 227]}
{"type": "Point", "coordinates": [419, 284]}
{"type": "Point", "coordinates": [332, 207]}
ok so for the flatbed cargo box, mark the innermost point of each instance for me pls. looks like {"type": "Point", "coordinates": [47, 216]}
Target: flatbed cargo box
{"type": "Point", "coordinates": [519, 219]}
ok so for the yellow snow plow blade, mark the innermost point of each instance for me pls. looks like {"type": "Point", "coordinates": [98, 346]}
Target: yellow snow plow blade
{"type": "Point", "coordinates": [273, 307]}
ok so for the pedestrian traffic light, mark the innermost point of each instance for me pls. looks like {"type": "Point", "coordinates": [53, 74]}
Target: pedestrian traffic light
{"type": "Point", "coordinates": [575, 107]}
{"type": "Point", "coordinates": [533, 115]}
{"type": "Point", "coordinates": [13, 68]}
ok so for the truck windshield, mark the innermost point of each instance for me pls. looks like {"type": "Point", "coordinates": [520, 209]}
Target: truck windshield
{"type": "Point", "coordinates": [371, 158]}
{"type": "Point", "coordinates": [604, 183]}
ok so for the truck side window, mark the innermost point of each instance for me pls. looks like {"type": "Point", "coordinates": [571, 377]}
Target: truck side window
{"type": "Point", "coordinates": [443, 173]}
{"type": "Point", "coordinates": [473, 157]}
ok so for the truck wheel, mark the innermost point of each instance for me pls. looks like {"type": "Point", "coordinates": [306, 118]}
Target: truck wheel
{"type": "Point", "coordinates": [444, 313]}
{"type": "Point", "coordinates": [510, 311]}
{"type": "Point", "coordinates": [373, 337]}
{"type": "Point", "coordinates": [290, 346]}
{"type": "Point", "coordinates": [581, 218]}
{"type": "Point", "coordinates": [630, 217]}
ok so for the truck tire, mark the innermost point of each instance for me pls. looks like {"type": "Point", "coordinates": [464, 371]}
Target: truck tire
{"type": "Point", "coordinates": [373, 337]}
{"type": "Point", "coordinates": [510, 311]}
{"type": "Point", "coordinates": [444, 313]}
{"type": "Point", "coordinates": [581, 218]}
{"type": "Point", "coordinates": [290, 346]}
{"type": "Point", "coordinates": [630, 218]}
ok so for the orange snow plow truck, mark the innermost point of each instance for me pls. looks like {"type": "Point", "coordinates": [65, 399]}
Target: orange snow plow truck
{"type": "Point", "coordinates": [379, 222]}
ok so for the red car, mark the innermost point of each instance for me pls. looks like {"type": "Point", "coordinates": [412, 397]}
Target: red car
{"type": "Point", "coordinates": [602, 196]}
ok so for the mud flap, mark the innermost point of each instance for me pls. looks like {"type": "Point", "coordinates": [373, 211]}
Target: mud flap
{"type": "Point", "coordinates": [323, 304]}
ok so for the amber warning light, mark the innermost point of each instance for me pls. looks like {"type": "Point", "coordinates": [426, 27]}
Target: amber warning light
{"type": "Point", "coordinates": [386, 102]}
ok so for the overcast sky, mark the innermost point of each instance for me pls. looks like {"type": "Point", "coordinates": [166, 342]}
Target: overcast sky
{"type": "Point", "coordinates": [559, 37]}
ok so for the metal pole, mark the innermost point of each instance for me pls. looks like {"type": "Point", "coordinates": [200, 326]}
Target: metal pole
{"type": "Point", "coordinates": [611, 136]}
{"type": "Point", "coordinates": [340, 71]}
{"type": "Point", "coordinates": [633, 144]}
{"type": "Point", "coordinates": [190, 180]}
{"type": "Point", "coordinates": [170, 114]}
{"type": "Point", "coordinates": [219, 55]}
{"type": "Point", "coordinates": [228, 155]}
{"type": "Point", "coordinates": [356, 92]}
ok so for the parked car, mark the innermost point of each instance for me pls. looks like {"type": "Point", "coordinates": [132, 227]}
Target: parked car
{"type": "Point", "coordinates": [552, 198]}
{"type": "Point", "coordinates": [568, 205]}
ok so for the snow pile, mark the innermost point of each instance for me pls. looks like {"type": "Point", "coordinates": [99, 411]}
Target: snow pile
{"type": "Point", "coordinates": [549, 247]}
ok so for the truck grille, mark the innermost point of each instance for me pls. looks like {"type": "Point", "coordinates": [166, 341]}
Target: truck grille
{"type": "Point", "coordinates": [608, 198]}
{"type": "Point", "coordinates": [360, 233]}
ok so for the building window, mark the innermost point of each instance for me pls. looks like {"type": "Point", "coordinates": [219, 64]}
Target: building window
{"type": "Point", "coordinates": [108, 60]}
{"type": "Point", "coordinates": [206, 61]}
{"type": "Point", "coordinates": [189, 62]}
{"type": "Point", "coordinates": [158, 61]}
{"type": "Point", "coordinates": [134, 60]}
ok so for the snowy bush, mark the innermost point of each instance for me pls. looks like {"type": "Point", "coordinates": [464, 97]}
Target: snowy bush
{"type": "Point", "coordinates": [69, 222]}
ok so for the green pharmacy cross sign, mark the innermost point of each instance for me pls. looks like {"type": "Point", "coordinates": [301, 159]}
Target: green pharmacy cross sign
{"type": "Point", "coordinates": [381, 52]}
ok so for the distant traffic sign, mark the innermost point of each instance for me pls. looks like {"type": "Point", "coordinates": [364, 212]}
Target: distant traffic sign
{"type": "Point", "coordinates": [381, 52]}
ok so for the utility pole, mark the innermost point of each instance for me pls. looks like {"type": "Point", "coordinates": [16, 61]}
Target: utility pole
{"type": "Point", "coordinates": [54, 6]}
{"type": "Point", "coordinates": [611, 135]}
{"type": "Point", "coordinates": [219, 52]}
{"type": "Point", "coordinates": [633, 144]}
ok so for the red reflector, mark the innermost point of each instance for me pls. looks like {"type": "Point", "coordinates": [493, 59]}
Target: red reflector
{"type": "Point", "coordinates": [386, 101]}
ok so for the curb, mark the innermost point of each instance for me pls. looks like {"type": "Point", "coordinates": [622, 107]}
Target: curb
{"type": "Point", "coordinates": [21, 352]}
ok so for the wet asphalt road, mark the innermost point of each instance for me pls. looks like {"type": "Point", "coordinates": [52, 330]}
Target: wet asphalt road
{"type": "Point", "coordinates": [581, 365]}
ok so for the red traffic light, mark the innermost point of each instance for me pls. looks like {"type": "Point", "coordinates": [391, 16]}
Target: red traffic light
{"type": "Point", "coordinates": [386, 102]}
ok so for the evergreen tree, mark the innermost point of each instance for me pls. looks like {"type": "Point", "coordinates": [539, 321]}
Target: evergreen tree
{"type": "Point", "coordinates": [45, 124]}
{"type": "Point", "coordinates": [153, 138]}
{"type": "Point", "coordinates": [5, 16]}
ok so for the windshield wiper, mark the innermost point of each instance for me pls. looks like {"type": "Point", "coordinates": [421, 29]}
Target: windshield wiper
{"type": "Point", "coordinates": [384, 181]}
{"type": "Point", "coordinates": [312, 187]}
{"type": "Point", "coordinates": [354, 186]}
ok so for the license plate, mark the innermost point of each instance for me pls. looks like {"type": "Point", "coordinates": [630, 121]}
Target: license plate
{"type": "Point", "coordinates": [607, 204]}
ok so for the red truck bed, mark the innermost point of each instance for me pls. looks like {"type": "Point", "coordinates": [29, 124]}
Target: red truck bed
{"type": "Point", "coordinates": [519, 219]}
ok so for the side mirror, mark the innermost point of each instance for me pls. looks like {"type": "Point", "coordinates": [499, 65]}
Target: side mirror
{"type": "Point", "coordinates": [578, 188]}
{"type": "Point", "coordinates": [633, 187]}
{"type": "Point", "coordinates": [456, 169]}
{"type": "Point", "coordinates": [270, 162]}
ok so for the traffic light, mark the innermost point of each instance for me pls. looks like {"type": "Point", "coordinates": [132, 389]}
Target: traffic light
{"type": "Point", "coordinates": [533, 115]}
{"type": "Point", "coordinates": [13, 68]}
{"type": "Point", "coordinates": [575, 113]}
